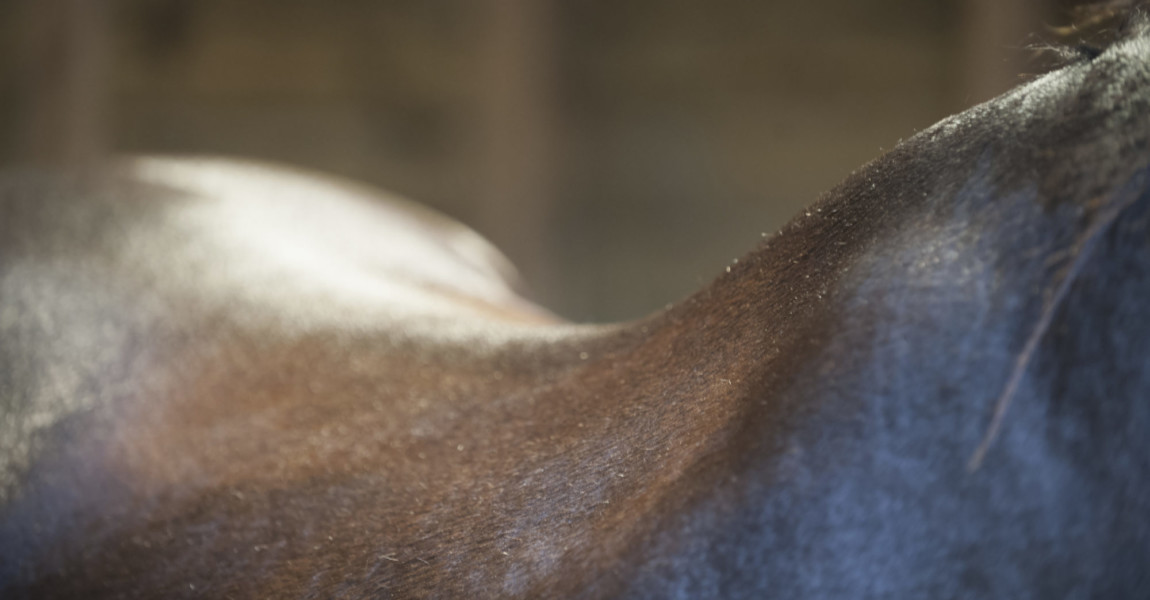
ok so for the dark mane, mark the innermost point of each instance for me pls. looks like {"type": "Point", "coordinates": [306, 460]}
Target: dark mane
{"type": "Point", "coordinates": [1092, 27]}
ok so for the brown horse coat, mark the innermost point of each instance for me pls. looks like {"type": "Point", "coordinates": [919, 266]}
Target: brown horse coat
{"type": "Point", "coordinates": [225, 380]}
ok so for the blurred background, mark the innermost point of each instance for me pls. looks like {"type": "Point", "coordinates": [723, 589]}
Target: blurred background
{"type": "Point", "coordinates": [620, 152]}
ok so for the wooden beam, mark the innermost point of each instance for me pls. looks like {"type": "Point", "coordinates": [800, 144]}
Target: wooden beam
{"type": "Point", "coordinates": [516, 145]}
{"type": "Point", "coordinates": [64, 72]}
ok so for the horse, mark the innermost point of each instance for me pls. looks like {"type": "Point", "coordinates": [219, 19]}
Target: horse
{"type": "Point", "coordinates": [228, 379]}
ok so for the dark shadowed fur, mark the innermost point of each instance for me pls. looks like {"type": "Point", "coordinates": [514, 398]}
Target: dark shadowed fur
{"type": "Point", "coordinates": [1090, 28]}
{"type": "Point", "coordinates": [934, 383]}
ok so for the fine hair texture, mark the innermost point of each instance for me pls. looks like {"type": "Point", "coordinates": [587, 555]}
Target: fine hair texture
{"type": "Point", "coordinates": [227, 379]}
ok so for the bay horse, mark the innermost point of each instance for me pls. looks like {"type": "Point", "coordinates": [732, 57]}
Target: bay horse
{"type": "Point", "coordinates": [228, 380]}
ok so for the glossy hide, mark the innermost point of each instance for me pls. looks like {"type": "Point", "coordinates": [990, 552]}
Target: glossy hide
{"type": "Point", "coordinates": [215, 384]}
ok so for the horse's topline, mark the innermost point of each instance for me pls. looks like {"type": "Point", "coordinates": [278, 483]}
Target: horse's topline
{"type": "Point", "coordinates": [226, 380]}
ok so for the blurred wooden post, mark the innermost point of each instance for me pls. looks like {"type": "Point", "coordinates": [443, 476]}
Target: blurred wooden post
{"type": "Point", "coordinates": [995, 34]}
{"type": "Point", "coordinates": [516, 143]}
{"type": "Point", "coordinates": [64, 56]}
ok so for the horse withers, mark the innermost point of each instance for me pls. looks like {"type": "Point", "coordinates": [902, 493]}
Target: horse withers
{"type": "Point", "coordinates": [227, 380]}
